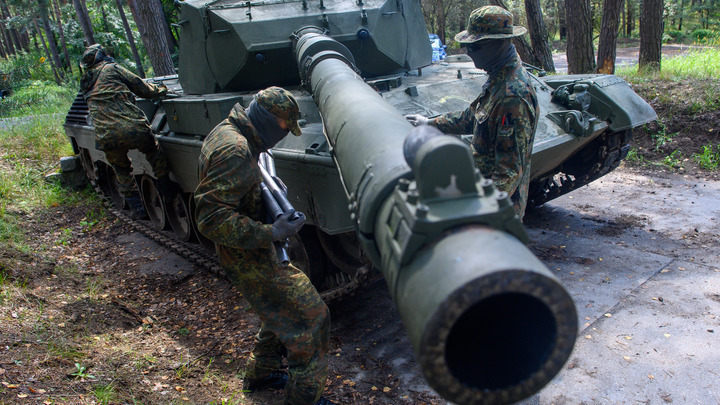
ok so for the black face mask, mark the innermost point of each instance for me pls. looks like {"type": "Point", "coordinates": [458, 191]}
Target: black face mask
{"type": "Point", "coordinates": [266, 125]}
{"type": "Point", "coordinates": [492, 54]}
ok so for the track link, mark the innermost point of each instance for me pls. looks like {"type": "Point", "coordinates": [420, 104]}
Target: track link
{"type": "Point", "coordinates": [206, 259]}
{"type": "Point", "coordinates": [590, 163]}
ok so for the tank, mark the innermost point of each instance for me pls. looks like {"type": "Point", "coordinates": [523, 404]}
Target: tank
{"type": "Point", "coordinates": [488, 321]}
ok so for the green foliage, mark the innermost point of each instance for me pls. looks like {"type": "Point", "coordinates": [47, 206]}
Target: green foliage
{"type": "Point", "coordinates": [662, 137]}
{"type": "Point", "coordinates": [81, 372]}
{"type": "Point", "coordinates": [709, 158]}
{"type": "Point", "coordinates": [675, 36]}
{"type": "Point", "coordinates": [29, 149]}
{"type": "Point", "coordinates": [703, 63]}
{"type": "Point", "coordinates": [704, 36]}
{"type": "Point", "coordinates": [673, 160]}
{"type": "Point", "coordinates": [33, 95]}
{"type": "Point", "coordinates": [105, 393]}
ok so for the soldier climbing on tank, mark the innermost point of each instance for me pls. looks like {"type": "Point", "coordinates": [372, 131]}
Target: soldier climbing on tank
{"type": "Point", "coordinates": [230, 212]}
{"type": "Point", "coordinates": [504, 116]}
{"type": "Point", "coordinates": [120, 125]}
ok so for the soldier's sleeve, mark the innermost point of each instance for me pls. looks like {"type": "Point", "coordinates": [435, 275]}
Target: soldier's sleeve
{"type": "Point", "coordinates": [139, 86]}
{"type": "Point", "coordinates": [512, 123]}
{"type": "Point", "coordinates": [217, 198]}
{"type": "Point", "coordinates": [456, 122]}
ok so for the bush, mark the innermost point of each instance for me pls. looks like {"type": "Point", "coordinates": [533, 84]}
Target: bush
{"type": "Point", "coordinates": [675, 36]}
{"type": "Point", "coordinates": [703, 36]}
{"type": "Point", "coordinates": [34, 97]}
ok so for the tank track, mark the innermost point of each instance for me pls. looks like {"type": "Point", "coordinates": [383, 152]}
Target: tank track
{"type": "Point", "coordinates": [595, 160]}
{"type": "Point", "coordinates": [339, 284]}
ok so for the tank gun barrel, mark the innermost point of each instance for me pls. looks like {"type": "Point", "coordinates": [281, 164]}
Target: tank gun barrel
{"type": "Point", "coordinates": [488, 321]}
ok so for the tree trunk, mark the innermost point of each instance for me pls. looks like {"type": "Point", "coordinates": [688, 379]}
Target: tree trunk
{"type": "Point", "coordinates": [522, 46]}
{"type": "Point", "coordinates": [131, 40]}
{"type": "Point", "coordinates": [608, 36]}
{"type": "Point", "coordinates": [43, 11]}
{"type": "Point", "coordinates": [9, 48]}
{"type": "Point", "coordinates": [538, 35]}
{"type": "Point", "coordinates": [63, 42]}
{"type": "Point", "coordinates": [651, 29]}
{"type": "Point", "coordinates": [630, 27]}
{"type": "Point", "coordinates": [2, 46]}
{"type": "Point", "coordinates": [562, 27]}
{"type": "Point", "coordinates": [23, 38]}
{"type": "Point", "coordinates": [12, 32]}
{"type": "Point", "coordinates": [440, 19]}
{"type": "Point", "coordinates": [682, 4]}
{"type": "Point", "coordinates": [149, 20]}
{"type": "Point", "coordinates": [47, 52]}
{"type": "Point", "coordinates": [580, 52]}
{"type": "Point", "coordinates": [106, 26]}
{"type": "Point", "coordinates": [172, 44]}
{"type": "Point", "coordinates": [84, 21]}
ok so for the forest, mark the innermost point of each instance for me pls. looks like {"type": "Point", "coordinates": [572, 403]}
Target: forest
{"type": "Point", "coordinates": [45, 38]}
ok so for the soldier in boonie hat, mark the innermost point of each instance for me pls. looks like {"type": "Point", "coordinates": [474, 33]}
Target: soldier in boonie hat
{"type": "Point", "coordinates": [489, 22]}
{"type": "Point", "coordinates": [281, 103]}
{"type": "Point", "coordinates": [504, 116]}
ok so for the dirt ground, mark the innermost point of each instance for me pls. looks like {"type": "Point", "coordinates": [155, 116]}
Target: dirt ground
{"type": "Point", "coordinates": [94, 313]}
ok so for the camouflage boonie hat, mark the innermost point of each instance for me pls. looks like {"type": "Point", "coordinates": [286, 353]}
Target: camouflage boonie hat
{"type": "Point", "coordinates": [489, 22]}
{"type": "Point", "coordinates": [89, 58]}
{"type": "Point", "coordinates": [281, 103]}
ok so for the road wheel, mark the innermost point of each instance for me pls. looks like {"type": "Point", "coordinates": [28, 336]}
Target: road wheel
{"type": "Point", "coordinates": [111, 187]}
{"type": "Point", "coordinates": [154, 204]}
{"type": "Point", "coordinates": [178, 215]}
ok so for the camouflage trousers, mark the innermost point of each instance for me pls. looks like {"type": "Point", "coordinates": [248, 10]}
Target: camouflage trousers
{"type": "Point", "coordinates": [294, 318]}
{"type": "Point", "coordinates": [116, 147]}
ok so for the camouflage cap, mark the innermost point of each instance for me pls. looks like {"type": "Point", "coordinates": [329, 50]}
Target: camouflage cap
{"type": "Point", "coordinates": [281, 103]}
{"type": "Point", "coordinates": [489, 22]}
{"type": "Point", "coordinates": [90, 57]}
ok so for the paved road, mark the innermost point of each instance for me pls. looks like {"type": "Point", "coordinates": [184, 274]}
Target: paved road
{"type": "Point", "coordinates": [628, 56]}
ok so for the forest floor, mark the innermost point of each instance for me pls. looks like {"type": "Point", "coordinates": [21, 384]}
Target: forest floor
{"type": "Point", "coordinates": [92, 312]}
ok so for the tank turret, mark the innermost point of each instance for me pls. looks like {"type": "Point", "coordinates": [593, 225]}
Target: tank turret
{"type": "Point", "coordinates": [243, 45]}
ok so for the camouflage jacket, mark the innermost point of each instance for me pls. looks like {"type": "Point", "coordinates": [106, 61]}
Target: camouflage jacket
{"type": "Point", "coordinates": [230, 210]}
{"type": "Point", "coordinates": [108, 89]}
{"type": "Point", "coordinates": [503, 121]}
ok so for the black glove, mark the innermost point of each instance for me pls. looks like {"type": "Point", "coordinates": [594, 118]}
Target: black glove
{"type": "Point", "coordinates": [287, 224]}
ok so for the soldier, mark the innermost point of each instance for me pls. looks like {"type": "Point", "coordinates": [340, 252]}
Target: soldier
{"type": "Point", "coordinates": [230, 212]}
{"type": "Point", "coordinates": [120, 125]}
{"type": "Point", "coordinates": [504, 116]}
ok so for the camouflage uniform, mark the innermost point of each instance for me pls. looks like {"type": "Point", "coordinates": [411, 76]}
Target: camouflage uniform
{"type": "Point", "coordinates": [119, 124]}
{"type": "Point", "coordinates": [502, 120]}
{"type": "Point", "coordinates": [230, 212]}
{"type": "Point", "coordinates": [504, 116]}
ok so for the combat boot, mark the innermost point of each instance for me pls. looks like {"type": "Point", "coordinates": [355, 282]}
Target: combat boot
{"type": "Point", "coordinates": [137, 211]}
{"type": "Point", "coordinates": [167, 188]}
{"type": "Point", "coordinates": [275, 381]}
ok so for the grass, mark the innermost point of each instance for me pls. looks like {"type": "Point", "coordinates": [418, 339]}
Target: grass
{"type": "Point", "coordinates": [709, 158]}
{"type": "Point", "coordinates": [29, 150]}
{"type": "Point", "coordinates": [701, 68]}
{"type": "Point", "coordinates": [696, 64]}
